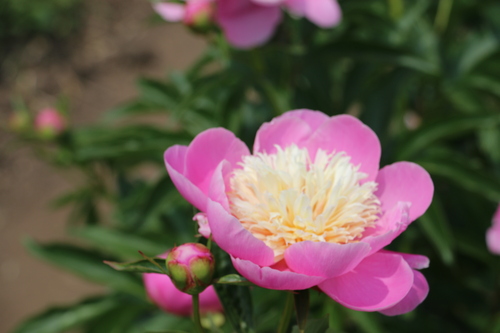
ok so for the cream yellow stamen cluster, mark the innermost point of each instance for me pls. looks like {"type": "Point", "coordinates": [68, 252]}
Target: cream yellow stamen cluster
{"type": "Point", "coordinates": [286, 197]}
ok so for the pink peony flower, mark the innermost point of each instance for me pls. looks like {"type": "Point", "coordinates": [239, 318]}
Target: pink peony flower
{"type": "Point", "coordinates": [310, 207]}
{"type": "Point", "coordinates": [192, 13]}
{"type": "Point", "coordinates": [162, 291]}
{"type": "Point", "coordinates": [49, 122]}
{"type": "Point", "coordinates": [249, 23]}
{"type": "Point", "coordinates": [493, 234]}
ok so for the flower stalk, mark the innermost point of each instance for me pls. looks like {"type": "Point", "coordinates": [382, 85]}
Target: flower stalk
{"type": "Point", "coordinates": [301, 298]}
{"type": "Point", "coordinates": [196, 314]}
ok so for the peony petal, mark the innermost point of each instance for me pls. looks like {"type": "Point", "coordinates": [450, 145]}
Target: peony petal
{"type": "Point", "coordinates": [230, 235]}
{"type": "Point", "coordinates": [174, 160]}
{"type": "Point", "coordinates": [405, 181]}
{"type": "Point", "coordinates": [388, 227]}
{"type": "Point", "coordinates": [207, 150]}
{"type": "Point", "coordinates": [325, 259]}
{"type": "Point", "coordinates": [268, 2]}
{"type": "Point", "coordinates": [379, 282]}
{"type": "Point", "coordinates": [313, 118]}
{"type": "Point", "coordinates": [203, 227]}
{"type": "Point", "coordinates": [281, 131]}
{"type": "Point", "coordinates": [348, 134]}
{"type": "Point", "coordinates": [417, 294]}
{"type": "Point", "coordinates": [416, 261]}
{"type": "Point", "coordinates": [493, 240]}
{"type": "Point", "coordinates": [267, 277]}
{"type": "Point", "coordinates": [245, 23]}
{"type": "Point", "coordinates": [172, 12]}
{"type": "Point", "coordinates": [323, 13]}
{"type": "Point", "coordinates": [493, 234]}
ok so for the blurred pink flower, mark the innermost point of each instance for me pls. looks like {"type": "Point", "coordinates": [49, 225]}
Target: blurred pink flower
{"type": "Point", "coordinates": [162, 291]}
{"type": "Point", "coordinates": [192, 13]}
{"type": "Point", "coordinates": [249, 23]}
{"type": "Point", "coordinates": [310, 207]}
{"type": "Point", "coordinates": [493, 234]}
{"type": "Point", "coordinates": [49, 122]}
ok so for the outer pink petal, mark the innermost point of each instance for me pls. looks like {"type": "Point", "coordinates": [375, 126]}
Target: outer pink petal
{"type": "Point", "coordinates": [325, 259]}
{"type": "Point", "coordinates": [230, 235]}
{"type": "Point", "coordinates": [268, 2]}
{"type": "Point", "coordinates": [405, 181]}
{"type": "Point", "coordinates": [267, 277]}
{"type": "Point", "coordinates": [493, 240]}
{"type": "Point", "coordinates": [291, 127]}
{"type": "Point", "coordinates": [493, 234]}
{"type": "Point", "coordinates": [388, 227]}
{"type": "Point", "coordinates": [379, 282]}
{"type": "Point", "coordinates": [207, 150]}
{"type": "Point", "coordinates": [174, 161]}
{"type": "Point", "coordinates": [324, 13]}
{"type": "Point", "coordinates": [172, 12]}
{"type": "Point", "coordinates": [417, 294]}
{"type": "Point", "coordinates": [281, 131]}
{"type": "Point", "coordinates": [245, 23]}
{"type": "Point", "coordinates": [348, 134]}
{"type": "Point", "coordinates": [313, 118]}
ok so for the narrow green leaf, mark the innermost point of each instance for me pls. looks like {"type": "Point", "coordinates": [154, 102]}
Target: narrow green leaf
{"type": "Point", "coordinates": [366, 321]}
{"type": "Point", "coordinates": [86, 264]}
{"type": "Point", "coordinates": [61, 319]}
{"type": "Point", "coordinates": [435, 226]}
{"type": "Point", "coordinates": [447, 129]}
{"type": "Point", "coordinates": [121, 244]}
{"type": "Point", "coordinates": [140, 266]}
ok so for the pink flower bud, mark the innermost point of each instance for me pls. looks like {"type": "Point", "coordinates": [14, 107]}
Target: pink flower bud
{"type": "Point", "coordinates": [162, 292]}
{"type": "Point", "coordinates": [49, 123]}
{"type": "Point", "coordinates": [199, 13]}
{"type": "Point", "coordinates": [191, 267]}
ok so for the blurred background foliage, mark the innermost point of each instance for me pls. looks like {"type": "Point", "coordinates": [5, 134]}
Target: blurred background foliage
{"type": "Point", "coordinates": [424, 75]}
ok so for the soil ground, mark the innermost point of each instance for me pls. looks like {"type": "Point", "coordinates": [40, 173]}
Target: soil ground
{"type": "Point", "coordinates": [115, 46]}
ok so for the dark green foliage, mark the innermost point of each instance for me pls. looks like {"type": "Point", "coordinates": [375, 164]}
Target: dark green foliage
{"type": "Point", "coordinates": [428, 84]}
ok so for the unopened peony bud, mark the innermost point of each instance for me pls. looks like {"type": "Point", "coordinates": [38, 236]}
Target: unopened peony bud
{"type": "Point", "coordinates": [191, 267]}
{"type": "Point", "coordinates": [49, 123]}
{"type": "Point", "coordinates": [199, 14]}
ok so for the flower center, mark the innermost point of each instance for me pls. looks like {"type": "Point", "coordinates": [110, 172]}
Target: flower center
{"type": "Point", "coordinates": [286, 198]}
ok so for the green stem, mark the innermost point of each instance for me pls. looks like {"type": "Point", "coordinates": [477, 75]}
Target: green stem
{"type": "Point", "coordinates": [443, 15]}
{"type": "Point", "coordinates": [287, 314]}
{"type": "Point", "coordinates": [196, 314]}
{"type": "Point", "coordinates": [301, 298]}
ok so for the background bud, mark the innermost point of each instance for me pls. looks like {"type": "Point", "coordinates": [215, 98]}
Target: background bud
{"type": "Point", "coordinates": [49, 123]}
{"type": "Point", "coordinates": [191, 267]}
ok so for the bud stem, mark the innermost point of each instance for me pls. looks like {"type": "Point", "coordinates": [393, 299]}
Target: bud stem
{"type": "Point", "coordinates": [301, 298]}
{"type": "Point", "coordinates": [196, 314]}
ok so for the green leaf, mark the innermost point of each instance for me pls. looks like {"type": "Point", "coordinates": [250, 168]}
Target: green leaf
{"type": "Point", "coordinates": [86, 264]}
{"type": "Point", "coordinates": [236, 300]}
{"type": "Point", "coordinates": [140, 266]}
{"type": "Point", "coordinates": [366, 321]}
{"type": "Point", "coordinates": [436, 227]}
{"type": "Point", "coordinates": [119, 243]}
{"type": "Point", "coordinates": [61, 319]}
{"type": "Point", "coordinates": [314, 326]}
{"type": "Point", "coordinates": [233, 279]}
{"type": "Point", "coordinates": [447, 129]}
